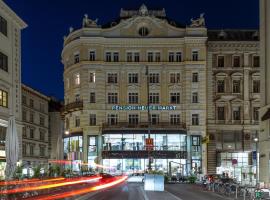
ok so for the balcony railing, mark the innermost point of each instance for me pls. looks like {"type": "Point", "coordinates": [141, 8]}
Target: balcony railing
{"type": "Point", "coordinates": [143, 125]}
{"type": "Point", "coordinates": [74, 106]}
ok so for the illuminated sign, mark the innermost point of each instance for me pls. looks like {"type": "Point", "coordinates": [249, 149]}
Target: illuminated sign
{"type": "Point", "coordinates": [128, 107]}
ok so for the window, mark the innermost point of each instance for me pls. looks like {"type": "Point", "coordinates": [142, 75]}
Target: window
{"type": "Point", "coordinates": [115, 57]}
{"type": "Point", "coordinates": [92, 120]}
{"type": "Point", "coordinates": [143, 31]}
{"type": "Point", "coordinates": [137, 57]}
{"type": "Point", "coordinates": [24, 132]}
{"type": "Point", "coordinates": [157, 57]}
{"type": "Point", "coordinates": [195, 77]}
{"type": "Point", "coordinates": [3, 98]}
{"type": "Point", "coordinates": [77, 121]}
{"type": "Point", "coordinates": [171, 56]}
{"type": "Point", "coordinates": [112, 119]}
{"type": "Point", "coordinates": [195, 55]}
{"type": "Point", "coordinates": [256, 86]}
{"type": "Point", "coordinates": [256, 113]}
{"type": "Point", "coordinates": [92, 55]}
{"type": "Point", "coordinates": [175, 97]}
{"type": "Point", "coordinates": [221, 113]}
{"type": "Point", "coordinates": [76, 58]}
{"type": "Point", "coordinates": [175, 78]}
{"type": "Point", "coordinates": [178, 57]}
{"type": "Point", "coordinates": [150, 56]}
{"type": "Point", "coordinates": [32, 133]}
{"type": "Point", "coordinates": [3, 62]}
{"type": "Point", "coordinates": [42, 151]}
{"type": "Point", "coordinates": [195, 119]}
{"type": "Point", "coordinates": [175, 119]}
{"type": "Point", "coordinates": [112, 78]}
{"type": "Point", "coordinates": [236, 86]}
{"type": "Point", "coordinates": [31, 150]}
{"type": "Point", "coordinates": [154, 98]}
{"type": "Point", "coordinates": [108, 57]}
{"type": "Point", "coordinates": [220, 86]}
{"type": "Point", "coordinates": [133, 98]}
{"type": "Point", "coordinates": [3, 26]}
{"type": "Point", "coordinates": [77, 79]}
{"type": "Point", "coordinates": [92, 77]}
{"type": "Point", "coordinates": [129, 56]}
{"type": "Point", "coordinates": [256, 61]}
{"type": "Point", "coordinates": [42, 135]}
{"type": "Point", "coordinates": [154, 78]}
{"type": "Point", "coordinates": [195, 97]}
{"type": "Point", "coordinates": [236, 113]}
{"type": "Point", "coordinates": [133, 118]}
{"type": "Point", "coordinates": [31, 104]}
{"type": "Point", "coordinates": [41, 107]}
{"type": "Point", "coordinates": [24, 149]}
{"type": "Point", "coordinates": [77, 97]}
{"type": "Point", "coordinates": [154, 119]}
{"type": "Point", "coordinates": [236, 61]}
{"type": "Point", "coordinates": [112, 98]}
{"type": "Point", "coordinates": [92, 97]}
{"type": "Point", "coordinates": [24, 115]}
{"type": "Point", "coordinates": [133, 78]}
{"type": "Point", "coordinates": [220, 61]}
{"type": "Point", "coordinates": [31, 117]}
{"type": "Point", "coordinates": [24, 99]}
{"type": "Point", "coordinates": [42, 120]}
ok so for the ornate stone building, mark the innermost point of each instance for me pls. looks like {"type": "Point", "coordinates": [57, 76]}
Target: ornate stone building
{"type": "Point", "coordinates": [201, 83]}
{"type": "Point", "coordinates": [35, 121]}
{"type": "Point", "coordinates": [10, 74]}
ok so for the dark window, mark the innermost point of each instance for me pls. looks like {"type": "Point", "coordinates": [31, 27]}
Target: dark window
{"type": "Point", "coordinates": [31, 150]}
{"type": "Point", "coordinates": [108, 57]}
{"type": "Point", "coordinates": [77, 121]}
{"type": "Point", "coordinates": [92, 77]}
{"type": "Point", "coordinates": [195, 77]}
{"type": "Point", "coordinates": [175, 78]}
{"type": "Point", "coordinates": [112, 119]}
{"type": "Point", "coordinates": [157, 57]}
{"type": "Point", "coordinates": [256, 86]}
{"type": "Point", "coordinates": [136, 57]}
{"type": "Point", "coordinates": [153, 78]}
{"type": "Point", "coordinates": [150, 56]}
{"type": "Point", "coordinates": [42, 151]}
{"type": "Point", "coordinates": [221, 113]}
{"type": "Point", "coordinates": [133, 98]}
{"type": "Point", "coordinates": [112, 98]}
{"type": "Point", "coordinates": [175, 98]}
{"type": "Point", "coordinates": [115, 57]}
{"type": "Point", "coordinates": [92, 55]}
{"type": "Point", "coordinates": [92, 120]}
{"type": "Point", "coordinates": [3, 26]}
{"type": "Point", "coordinates": [154, 119]}
{"type": "Point", "coordinates": [143, 31]}
{"type": "Point", "coordinates": [31, 104]}
{"type": "Point", "coordinates": [195, 55]}
{"type": "Point", "coordinates": [133, 78]}
{"type": "Point", "coordinates": [41, 120]}
{"type": "Point", "coordinates": [42, 135]}
{"type": "Point", "coordinates": [195, 119]}
{"type": "Point", "coordinates": [236, 61]}
{"type": "Point", "coordinates": [112, 78]}
{"type": "Point", "coordinates": [3, 62]}
{"type": "Point", "coordinates": [178, 57]}
{"type": "Point", "coordinates": [256, 113]}
{"type": "Point", "coordinates": [236, 113]}
{"type": "Point", "coordinates": [220, 86]}
{"type": "Point", "coordinates": [154, 98]}
{"type": "Point", "coordinates": [256, 61]}
{"type": "Point", "coordinates": [92, 97]}
{"type": "Point", "coordinates": [32, 133]}
{"type": "Point", "coordinates": [129, 56]}
{"type": "Point", "coordinates": [195, 97]}
{"type": "Point", "coordinates": [133, 119]}
{"type": "Point", "coordinates": [220, 62]}
{"type": "Point", "coordinates": [175, 119]}
{"type": "Point", "coordinates": [76, 58]}
{"type": "Point", "coordinates": [236, 86]}
{"type": "Point", "coordinates": [171, 57]}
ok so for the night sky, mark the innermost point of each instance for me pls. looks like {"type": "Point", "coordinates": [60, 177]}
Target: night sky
{"type": "Point", "coordinates": [49, 20]}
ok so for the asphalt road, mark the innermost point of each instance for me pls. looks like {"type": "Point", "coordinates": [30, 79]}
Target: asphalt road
{"type": "Point", "coordinates": [133, 191]}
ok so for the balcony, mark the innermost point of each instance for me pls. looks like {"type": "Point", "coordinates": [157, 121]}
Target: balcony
{"type": "Point", "coordinates": [71, 107]}
{"type": "Point", "coordinates": [143, 126]}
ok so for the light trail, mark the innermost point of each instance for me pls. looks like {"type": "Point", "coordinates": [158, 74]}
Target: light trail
{"type": "Point", "coordinates": [30, 181]}
{"type": "Point", "coordinates": [82, 191]}
{"type": "Point", "coordinates": [48, 186]}
{"type": "Point", "coordinates": [67, 162]}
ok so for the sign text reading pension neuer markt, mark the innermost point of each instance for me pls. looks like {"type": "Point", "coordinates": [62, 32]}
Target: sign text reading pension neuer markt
{"type": "Point", "coordinates": [128, 107]}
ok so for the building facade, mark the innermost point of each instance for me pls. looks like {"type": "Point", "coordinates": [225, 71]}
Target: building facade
{"type": "Point", "coordinates": [10, 74]}
{"type": "Point", "coordinates": [233, 91]}
{"type": "Point", "coordinates": [35, 130]}
{"type": "Point", "coordinates": [202, 85]}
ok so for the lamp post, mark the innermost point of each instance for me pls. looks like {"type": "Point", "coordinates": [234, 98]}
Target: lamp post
{"type": "Point", "coordinates": [256, 140]}
{"type": "Point", "coordinates": [69, 148]}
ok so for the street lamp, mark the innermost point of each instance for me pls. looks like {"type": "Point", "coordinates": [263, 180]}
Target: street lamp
{"type": "Point", "coordinates": [256, 140]}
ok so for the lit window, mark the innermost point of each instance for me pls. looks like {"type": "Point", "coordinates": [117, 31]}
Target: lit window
{"type": "Point", "coordinates": [77, 79]}
{"type": "Point", "coordinates": [92, 77]}
{"type": "Point", "coordinates": [3, 98]}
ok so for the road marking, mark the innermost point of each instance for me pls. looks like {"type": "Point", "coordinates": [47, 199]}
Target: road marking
{"type": "Point", "coordinates": [176, 197]}
{"type": "Point", "coordinates": [143, 193]}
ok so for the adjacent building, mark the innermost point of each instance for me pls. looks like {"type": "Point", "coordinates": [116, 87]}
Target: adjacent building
{"type": "Point", "coordinates": [10, 74]}
{"type": "Point", "coordinates": [35, 130]}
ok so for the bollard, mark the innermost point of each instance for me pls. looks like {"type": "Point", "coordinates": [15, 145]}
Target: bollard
{"type": "Point", "coordinates": [244, 193]}
{"type": "Point", "coordinates": [236, 192]}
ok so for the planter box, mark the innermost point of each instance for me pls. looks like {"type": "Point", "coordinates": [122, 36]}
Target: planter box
{"type": "Point", "coordinates": [153, 182]}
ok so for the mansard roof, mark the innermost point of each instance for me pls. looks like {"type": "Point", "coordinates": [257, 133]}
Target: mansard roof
{"type": "Point", "coordinates": [233, 35]}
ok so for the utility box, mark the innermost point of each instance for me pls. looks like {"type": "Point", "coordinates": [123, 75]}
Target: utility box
{"type": "Point", "coordinates": [153, 182]}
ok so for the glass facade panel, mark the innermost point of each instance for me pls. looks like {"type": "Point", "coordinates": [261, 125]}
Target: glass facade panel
{"type": "Point", "coordinates": [173, 142]}
{"type": "Point", "coordinates": [139, 140]}
{"type": "Point", "coordinates": [128, 142]}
